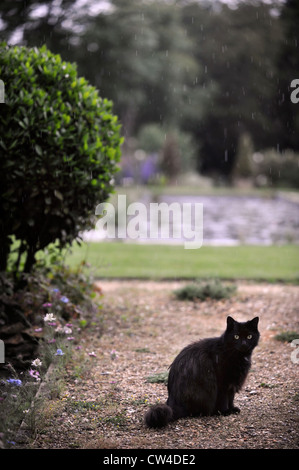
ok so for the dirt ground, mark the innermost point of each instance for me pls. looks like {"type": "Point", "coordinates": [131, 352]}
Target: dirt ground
{"type": "Point", "coordinates": [139, 331]}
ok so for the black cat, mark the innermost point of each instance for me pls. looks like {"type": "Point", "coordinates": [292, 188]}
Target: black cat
{"type": "Point", "coordinates": [205, 376]}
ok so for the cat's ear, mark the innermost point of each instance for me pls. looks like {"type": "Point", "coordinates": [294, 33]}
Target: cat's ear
{"type": "Point", "coordinates": [230, 322]}
{"type": "Point", "coordinates": [254, 322]}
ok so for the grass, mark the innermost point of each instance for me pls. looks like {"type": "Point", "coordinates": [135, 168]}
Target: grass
{"type": "Point", "coordinates": [159, 378]}
{"type": "Point", "coordinates": [126, 260]}
{"type": "Point", "coordinates": [287, 336]}
{"type": "Point", "coordinates": [133, 193]}
{"type": "Point", "coordinates": [212, 289]}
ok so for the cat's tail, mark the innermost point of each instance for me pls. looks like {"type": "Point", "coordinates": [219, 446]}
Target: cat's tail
{"type": "Point", "coordinates": [158, 416]}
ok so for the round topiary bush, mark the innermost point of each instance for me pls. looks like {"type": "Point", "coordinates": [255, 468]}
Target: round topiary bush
{"type": "Point", "coordinates": [59, 144]}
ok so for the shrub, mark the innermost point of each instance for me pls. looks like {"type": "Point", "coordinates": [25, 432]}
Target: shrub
{"type": "Point", "coordinates": [151, 138]}
{"type": "Point", "coordinates": [159, 378]}
{"type": "Point", "coordinates": [213, 289]}
{"type": "Point", "coordinates": [243, 164]}
{"type": "Point", "coordinates": [275, 169]}
{"type": "Point", "coordinates": [286, 336]}
{"type": "Point", "coordinates": [60, 146]}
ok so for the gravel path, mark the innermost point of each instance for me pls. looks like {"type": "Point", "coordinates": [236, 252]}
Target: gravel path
{"type": "Point", "coordinates": [138, 332]}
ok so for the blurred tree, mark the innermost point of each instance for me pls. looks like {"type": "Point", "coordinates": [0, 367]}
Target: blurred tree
{"type": "Point", "coordinates": [243, 164]}
{"type": "Point", "coordinates": [34, 22]}
{"type": "Point", "coordinates": [171, 157]}
{"type": "Point", "coordinates": [236, 48]}
{"type": "Point", "coordinates": [139, 54]}
{"type": "Point", "coordinates": [201, 67]}
{"type": "Point", "coordinates": [151, 138]}
{"type": "Point", "coordinates": [288, 69]}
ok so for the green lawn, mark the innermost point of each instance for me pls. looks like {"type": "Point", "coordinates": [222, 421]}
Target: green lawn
{"type": "Point", "coordinates": [108, 260]}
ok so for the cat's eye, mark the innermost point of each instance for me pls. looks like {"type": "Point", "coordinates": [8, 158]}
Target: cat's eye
{"type": "Point", "coordinates": [236, 336]}
{"type": "Point", "coordinates": [249, 336]}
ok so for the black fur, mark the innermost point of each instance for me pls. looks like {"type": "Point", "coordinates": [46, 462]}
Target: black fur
{"type": "Point", "coordinates": [205, 376]}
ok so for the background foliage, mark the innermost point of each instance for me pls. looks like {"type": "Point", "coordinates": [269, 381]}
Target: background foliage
{"type": "Point", "coordinates": [205, 68]}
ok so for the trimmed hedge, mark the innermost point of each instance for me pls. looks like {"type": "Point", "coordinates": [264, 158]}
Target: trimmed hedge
{"type": "Point", "coordinates": [59, 143]}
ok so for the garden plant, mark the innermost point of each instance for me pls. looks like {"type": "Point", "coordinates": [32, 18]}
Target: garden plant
{"type": "Point", "coordinates": [60, 145]}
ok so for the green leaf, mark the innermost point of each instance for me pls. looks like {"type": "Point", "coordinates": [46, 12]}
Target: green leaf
{"type": "Point", "coordinates": [58, 194]}
{"type": "Point", "coordinates": [38, 150]}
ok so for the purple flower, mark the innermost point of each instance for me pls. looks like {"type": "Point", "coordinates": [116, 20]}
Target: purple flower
{"type": "Point", "coordinates": [47, 304]}
{"type": "Point", "coordinates": [113, 354]}
{"type": "Point", "coordinates": [34, 374]}
{"type": "Point", "coordinates": [64, 299]}
{"type": "Point", "coordinates": [59, 352]}
{"type": "Point", "coordinates": [16, 382]}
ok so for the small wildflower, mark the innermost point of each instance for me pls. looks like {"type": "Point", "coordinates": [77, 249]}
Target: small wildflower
{"type": "Point", "coordinates": [93, 354]}
{"type": "Point", "coordinates": [36, 363]}
{"type": "Point", "coordinates": [59, 329]}
{"type": "Point", "coordinates": [47, 304]}
{"type": "Point", "coordinates": [51, 341]}
{"type": "Point", "coordinates": [34, 374]}
{"type": "Point", "coordinates": [67, 330]}
{"type": "Point", "coordinates": [56, 290]}
{"type": "Point", "coordinates": [38, 330]}
{"type": "Point", "coordinates": [64, 299]}
{"type": "Point", "coordinates": [26, 411]}
{"type": "Point", "coordinates": [78, 347]}
{"type": "Point", "coordinates": [16, 382]}
{"type": "Point", "coordinates": [59, 352]}
{"type": "Point", "coordinates": [113, 355]}
{"type": "Point", "coordinates": [70, 338]}
{"type": "Point", "coordinates": [49, 317]}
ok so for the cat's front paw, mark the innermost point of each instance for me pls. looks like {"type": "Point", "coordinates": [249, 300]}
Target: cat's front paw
{"type": "Point", "coordinates": [234, 410]}
{"type": "Point", "coordinates": [224, 412]}
{"type": "Point", "coordinates": [230, 411]}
